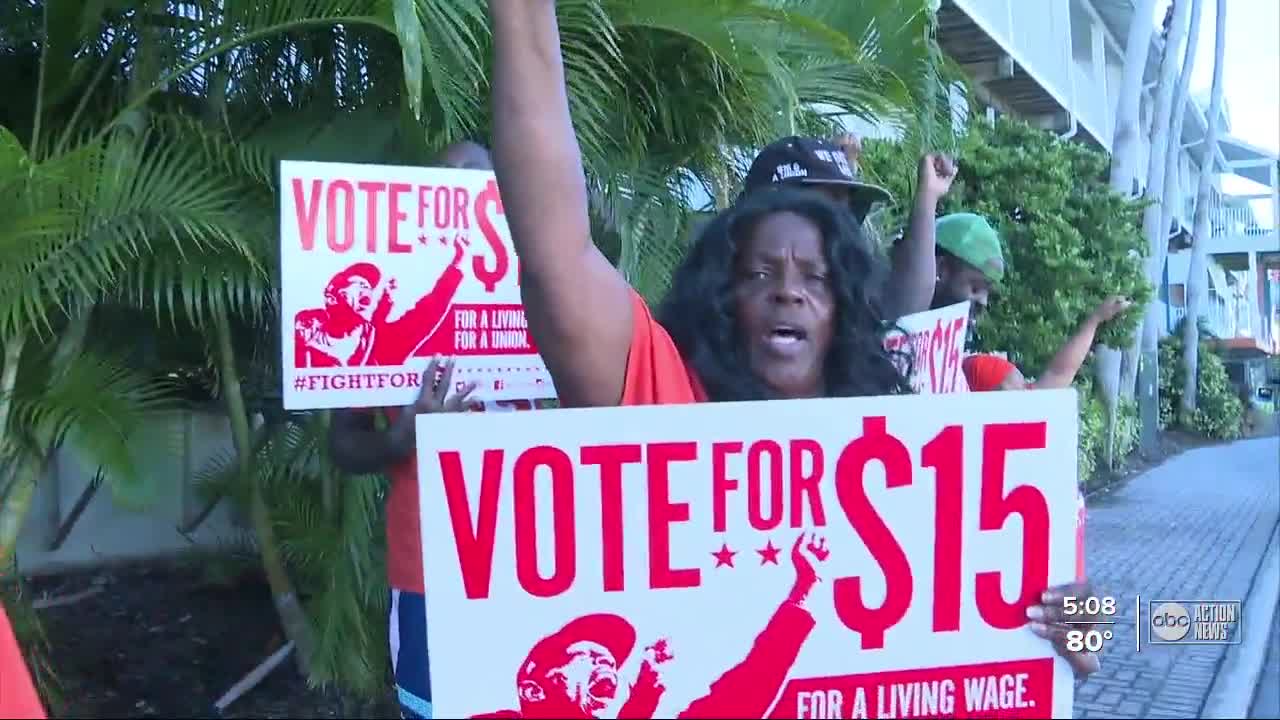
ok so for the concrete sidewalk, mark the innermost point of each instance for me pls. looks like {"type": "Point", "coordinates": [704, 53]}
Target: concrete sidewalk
{"type": "Point", "coordinates": [1194, 528]}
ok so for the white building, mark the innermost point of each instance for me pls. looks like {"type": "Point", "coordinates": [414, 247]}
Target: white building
{"type": "Point", "coordinates": [1058, 64]}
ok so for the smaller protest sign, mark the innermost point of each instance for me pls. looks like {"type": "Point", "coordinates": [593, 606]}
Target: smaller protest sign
{"type": "Point", "coordinates": [934, 341]}
{"type": "Point", "coordinates": [384, 266]}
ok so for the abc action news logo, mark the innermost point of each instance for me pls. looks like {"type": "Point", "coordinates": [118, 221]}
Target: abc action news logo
{"type": "Point", "coordinates": [1195, 622]}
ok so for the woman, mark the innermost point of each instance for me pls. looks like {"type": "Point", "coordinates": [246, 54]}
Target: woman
{"type": "Point", "coordinates": [777, 299]}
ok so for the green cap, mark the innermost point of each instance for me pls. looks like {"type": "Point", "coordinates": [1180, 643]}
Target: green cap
{"type": "Point", "coordinates": [972, 239]}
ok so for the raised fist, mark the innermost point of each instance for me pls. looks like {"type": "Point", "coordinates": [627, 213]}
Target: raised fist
{"type": "Point", "coordinates": [852, 147]}
{"type": "Point", "coordinates": [935, 175]}
{"type": "Point", "coordinates": [807, 556]}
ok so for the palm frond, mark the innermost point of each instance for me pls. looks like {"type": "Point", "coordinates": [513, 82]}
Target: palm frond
{"type": "Point", "coordinates": [125, 200]}
{"type": "Point", "coordinates": [103, 409]}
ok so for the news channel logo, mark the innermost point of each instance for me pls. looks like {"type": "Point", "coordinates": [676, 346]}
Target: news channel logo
{"type": "Point", "coordinates": [1194, 622]}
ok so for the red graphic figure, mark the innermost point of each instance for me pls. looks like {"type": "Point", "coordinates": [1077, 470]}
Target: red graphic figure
{"type": "Point", "coordinates": [573, 673]}
{"type": "Point", "coordinates": [352, 327]}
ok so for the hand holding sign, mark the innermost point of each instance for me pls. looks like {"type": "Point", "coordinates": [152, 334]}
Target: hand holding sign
{"type": "Point", "coordinates": [434, 396]}
{"type": "Point", "coordinates": [1050, 621]}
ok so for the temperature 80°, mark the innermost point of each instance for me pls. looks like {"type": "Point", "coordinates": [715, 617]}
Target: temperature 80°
{"type": "Point", "coordinates": [1091, 640]}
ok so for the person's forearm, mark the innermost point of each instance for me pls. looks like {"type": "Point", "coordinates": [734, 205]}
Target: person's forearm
{"type": "Point", "coordinates": [914, 265]}
{"type": "Point", "coordinates": [536, 154]}
{"type": "Point", "coordinates": [1062, 369]}
{"type": "Point", "coordinates": [362, 451]}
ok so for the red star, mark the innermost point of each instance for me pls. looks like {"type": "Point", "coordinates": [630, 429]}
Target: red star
{"type": "Point", "coordinates": [423, 239]}
{"type": "Point", "coordinates": [724, 556]}
{"type": "Point", "coordinates": [768, 554]}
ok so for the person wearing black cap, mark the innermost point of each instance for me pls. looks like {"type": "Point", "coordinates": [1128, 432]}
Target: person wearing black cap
{"type": "Point", "coordinates": [831, 167]}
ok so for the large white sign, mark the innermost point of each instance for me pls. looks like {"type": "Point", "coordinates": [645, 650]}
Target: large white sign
{"type": "Point", "coordinates": [846, 558]}
{"type": "Point", "coordinates": [384, 266]}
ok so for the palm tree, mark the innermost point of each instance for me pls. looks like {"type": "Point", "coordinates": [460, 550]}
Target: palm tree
{"type": "Point", "coordinates": [145, 153]}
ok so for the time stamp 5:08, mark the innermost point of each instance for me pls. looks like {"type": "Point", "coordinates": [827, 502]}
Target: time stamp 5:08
{"type": "Point", "coordinates": [1088, 611]}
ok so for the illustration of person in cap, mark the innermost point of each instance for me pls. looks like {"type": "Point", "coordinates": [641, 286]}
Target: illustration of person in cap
{"type": "Point", "coordinates": [573, 672]}
{"type": "Point", "coordinates": [831, 167]}
{"type": "Point", "coordinates": [352, 327]}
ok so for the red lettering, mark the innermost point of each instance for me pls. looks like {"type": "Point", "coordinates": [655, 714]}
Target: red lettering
{"type": "Point", "coordinates": [461, 202]}
{"type": "Point", "coordinates": [755, 511]}
{"type": "Point", "coordinates": [935, 345]}
{"type": "Point", "coordinates": [956, 346]}
{"type": "Point", "coordinates": [998, 440]}
{"type": "Point", "coordinates": [424, 202]}
{"type": "Point", "coordinates": [721, 483]}
{"type": "Point", "coordinates": [440, 203]}
{"type": "Point", "coordinates": [564, 539]}
{"type": "Point", "coordinates": [489, 277]}
{"type": "Point", "coordinates": [663, 513]}
{"type": "Point", "coordinates": [474, 540]}
{"type": "Point", "coordinates": [348, 194]}
{"type": "Point", "coordinates": [611, 458]}
{"type": "Point", "coordinates": [307, 210]}
{"type": "Point", "coordinates": [396, 217]}
{"type": "Point", "coordinates": [874, 445]}
{"type": "Point", "coordinates": [806, 485]}
{"type": "Point", "coordinates": [371, 189]}
{"type": "Point", "coordinates": [945, 454]}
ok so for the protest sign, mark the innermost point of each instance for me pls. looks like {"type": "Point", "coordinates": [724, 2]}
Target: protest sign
{"type": "Point", "coordinates": [935, 341]}
{"type": "Point", "coordinates": [869, 557]}
{"type": "Point", "coordinates": [384, 266]}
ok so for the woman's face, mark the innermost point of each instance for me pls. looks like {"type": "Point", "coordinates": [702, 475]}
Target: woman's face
{"type": "Point", "coordinates": [784, 304]}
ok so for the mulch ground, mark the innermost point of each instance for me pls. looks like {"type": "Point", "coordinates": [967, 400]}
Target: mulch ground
{"type": "Point", "coordinates": [164, 640]}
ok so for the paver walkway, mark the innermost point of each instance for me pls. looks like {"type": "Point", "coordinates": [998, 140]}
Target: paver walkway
{"type": "Point", "coordinates": [1194, 528]}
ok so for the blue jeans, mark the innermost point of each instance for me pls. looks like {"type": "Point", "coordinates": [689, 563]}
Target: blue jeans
{"type": "Point", "coordinates": [407, 632]}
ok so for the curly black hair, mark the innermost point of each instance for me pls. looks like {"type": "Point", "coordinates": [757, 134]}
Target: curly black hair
{"type": "Point", "coordinates": [700, 314]}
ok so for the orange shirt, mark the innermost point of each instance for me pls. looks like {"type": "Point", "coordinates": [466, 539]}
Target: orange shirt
{"type": "Point", "coordinates": [404, 524]}
{"type": "Point", "coordinates": [656, 373]}
{"type": "Point", "coordinates": [18, 697]}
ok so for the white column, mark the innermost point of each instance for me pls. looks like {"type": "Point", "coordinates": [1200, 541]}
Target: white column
{"type": "Point", "coordinates": [1099, 96]}
{"type": "Point", "coordinates": [1254, 298]}
{"type": "Point", "coordinates": [1275, 245]}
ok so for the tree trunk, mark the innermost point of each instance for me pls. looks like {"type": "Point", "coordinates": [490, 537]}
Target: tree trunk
{"type": "Point", "coordinates": [1173, 196]}
{"type": "Point", "coordinates": [1157, 237]}
{"type": "Point", "coordinates": [1124, 163]}
{"type": "Point", "coordinates": [1124, 143]}
{"type": "Point", "coordinates": [293, 618]}
{"type": "Point", "coordinates": [1201, 234]}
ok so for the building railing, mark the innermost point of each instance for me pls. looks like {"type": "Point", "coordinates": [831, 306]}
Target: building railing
{"type": "Point", "coordinates": [1236, 221]}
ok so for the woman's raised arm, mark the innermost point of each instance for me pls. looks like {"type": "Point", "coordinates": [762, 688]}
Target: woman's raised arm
{"type": "Point", "coordinates": [578, 305]}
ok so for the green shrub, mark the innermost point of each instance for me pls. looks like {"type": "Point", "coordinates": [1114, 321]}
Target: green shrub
{"type": "Point", "coordinates": [1128, 427]}
{"type": "Point", "coordinates": [1219, 413]}
{"type": "Point", "coordinates": [1093, 441]}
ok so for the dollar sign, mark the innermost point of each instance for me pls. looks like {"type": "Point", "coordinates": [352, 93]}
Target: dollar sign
{"type": "Point", "coordinates": [874, 444]}
{"type": "Point", "coordinates": [490, 277]}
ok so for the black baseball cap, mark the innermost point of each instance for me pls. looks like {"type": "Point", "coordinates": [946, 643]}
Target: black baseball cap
{"type": "Point", "coordinates": [812, 161]}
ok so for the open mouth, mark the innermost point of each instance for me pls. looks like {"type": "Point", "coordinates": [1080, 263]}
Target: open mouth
{"type": "Point", "coordinates": [604, 685]}
{"type": "Point", "coordinates": [784, 335]}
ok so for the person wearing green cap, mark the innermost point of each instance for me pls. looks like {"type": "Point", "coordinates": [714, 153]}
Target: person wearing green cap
{"type": "Point", "coordinates": [970, 262]}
